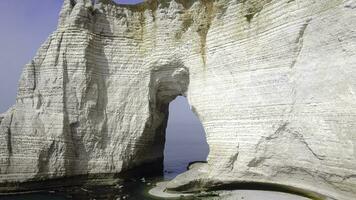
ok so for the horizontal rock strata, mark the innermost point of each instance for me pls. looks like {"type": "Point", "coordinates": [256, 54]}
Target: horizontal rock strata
{"type": "Point", "coordinates": [272, 81]}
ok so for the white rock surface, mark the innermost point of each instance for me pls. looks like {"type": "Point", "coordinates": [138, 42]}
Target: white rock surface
{"type": "Point", "coordinates": [272, 81]}
{"type": "Point", "coordinates": [256, 195]}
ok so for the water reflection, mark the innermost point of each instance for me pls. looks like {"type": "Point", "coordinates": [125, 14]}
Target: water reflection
{"type": "Point", "coordinates": [132, 189]}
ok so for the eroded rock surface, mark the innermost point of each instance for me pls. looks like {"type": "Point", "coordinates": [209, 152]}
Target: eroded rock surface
{"type": "Point", "coordinates": [273, 83]}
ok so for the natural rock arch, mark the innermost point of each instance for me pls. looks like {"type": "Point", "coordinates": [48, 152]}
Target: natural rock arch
{"type": "Point", "coordinates": [165, 84]}
{"type": "Point", "coordinates": [261, 80]}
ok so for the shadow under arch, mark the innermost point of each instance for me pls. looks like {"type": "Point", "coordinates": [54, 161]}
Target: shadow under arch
{"type": "Point", "coordinates": [166, 83]}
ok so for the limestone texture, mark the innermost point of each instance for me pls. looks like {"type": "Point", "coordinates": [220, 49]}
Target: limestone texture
{"type": "Point", "coordinates": [272, 81]}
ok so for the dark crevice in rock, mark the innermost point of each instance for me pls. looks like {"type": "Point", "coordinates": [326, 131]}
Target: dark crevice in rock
{"type": "Point", "coordinates": [152, 6]}
{"type": "Point", "coordinates": [349, 177]}
{"type": "Point", "coordinates": [350, 4]}
{"type": "Point", "coordinates": [257, 161]}
{"type": "Point", "coordinates": [59, 44]}
{"type": "Point", "coordinates": [272, 136]}
{"type": "Point", "coordinates": [302, 31]}
{"type": "Point", "coordinates": [72, 3]}
{"type": "Point", "coordinates": [252, 8]}
{"type": "Point", "coordinates": [284, 131]}
{"type": "Point", "coordinates": [233, 158]}
{"type": "Point", "coordinates": [44, 159]}
{"type": "Point", "coordinates": [8, 142]}
{"type": "Point", "coordinates": [207, 11]}
{"type": "Point", "coordinates": [187, 22]}
{"type": "Point", "coordinates": [74, 154]}
{"type": "Point", "coordinates": [74, 134]}
{"type": "Point", "coordinates": [280, 130]}
{"type": "Point", "coordinates": [301, 138]}
{"type": "Point", "coordinates": [39, 101]}
{"type": "Point", "coordinates": [204, 26]}
{"type": "Point", "coordinates": [9, 137]}
{"type": "Point", "coordinates": [299, 41]}
{"type": "Point", "coordinates": [34, 75]}
{"type": "Point", "coordinates": [249, 16]}
{"type": "Point", "coordinates": [142, 23]}
{"type": "Point", "coordinates": [68, 144]}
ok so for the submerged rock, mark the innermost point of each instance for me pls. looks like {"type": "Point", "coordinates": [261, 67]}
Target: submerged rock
{"type": "Point", "coordinates": [271, 81]}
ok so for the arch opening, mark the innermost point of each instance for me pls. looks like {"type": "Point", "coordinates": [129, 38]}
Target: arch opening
{"type": "Point", "coordinates": [185, 139]}
{"type": "Point", "coordinates": [173, 137]}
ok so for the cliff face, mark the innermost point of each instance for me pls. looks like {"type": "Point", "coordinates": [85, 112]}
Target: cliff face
{"type": "Point", "coordinates": [273, 83]}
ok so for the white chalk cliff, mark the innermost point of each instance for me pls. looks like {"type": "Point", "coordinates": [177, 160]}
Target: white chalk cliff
{"type": "Point", "coordinates": [272, 81]}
